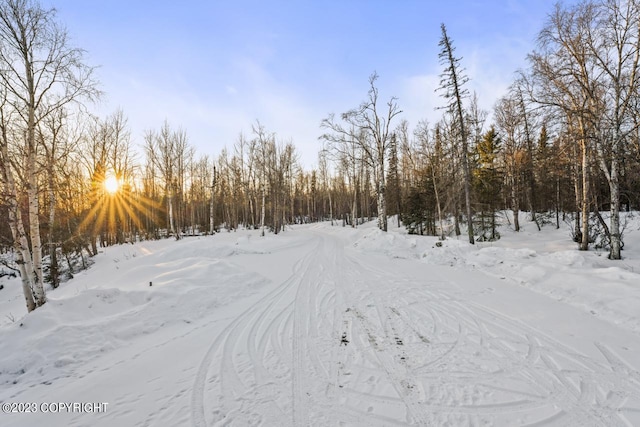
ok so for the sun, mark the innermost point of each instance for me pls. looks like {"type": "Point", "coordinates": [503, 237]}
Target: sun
{"type": "Point", "coordinates": [111, 184]}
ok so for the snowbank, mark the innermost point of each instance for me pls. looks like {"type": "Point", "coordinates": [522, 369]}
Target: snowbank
{"type": "Point", "coordinates": [133, 291]}
{"type": "Point", "coordinates": [545, 261]}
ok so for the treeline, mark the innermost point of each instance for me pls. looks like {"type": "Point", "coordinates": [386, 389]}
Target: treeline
{"type": "Point", "coordinates": [563, 145]}
{"type": "Point", "coordinates": [564, 139]}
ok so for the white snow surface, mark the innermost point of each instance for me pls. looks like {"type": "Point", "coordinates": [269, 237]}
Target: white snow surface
{"type": "Point", "coordinates": [327, 325]}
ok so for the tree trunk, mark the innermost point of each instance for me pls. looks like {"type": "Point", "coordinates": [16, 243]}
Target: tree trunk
{"type": "Point", "coordinates": [34, 232]}
{"type": "Point", "coordinates": [435, 190]}
{"type": "Point", "coordinates": [557, 203]}
{"type": "Point", "coordinates": [584, 243]}
{"type": "Point", "coordinates": [467, 183]}
{"type": "Point", "coordinates": [53, 253]}
{"type": "Point", "coordinates": [456, 218]}
{"type": "Point", "coordinates": [578, 196]}
{"type": "Point", "coordinates": [262, 211]}
{"type": "Point", "coordinates": [354, 203]}
{"type": "Point", "coordinates": [21, 243]}
{"type": "Point", "coordinates": [212, 205]}
{"type": "Point", "coordinates": [515, 202]}
{"type": "Point", "coordinates": [614, 188]}
{"type": "Point", "coordinates": [252, 213]}
{"type": "Point", "coordinates": [24, 278]}
{"type": "Point", "coordinates": [330, 208]}
{"type": "Point", "coordinates": [531, 182]}
{"type": "Point", "coordinates": [172, 228]}
{"type": "Point", "coordinates": [382, 203]}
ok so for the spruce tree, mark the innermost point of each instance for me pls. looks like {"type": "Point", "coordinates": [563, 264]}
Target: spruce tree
{"type": "Point", "coordinates": [487, 183]}
{"type": "Point", "coordinates": [452, 82]}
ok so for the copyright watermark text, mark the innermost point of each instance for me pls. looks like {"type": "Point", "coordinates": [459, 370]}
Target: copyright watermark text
{"type": "Point", "coordinates": [54, 407]}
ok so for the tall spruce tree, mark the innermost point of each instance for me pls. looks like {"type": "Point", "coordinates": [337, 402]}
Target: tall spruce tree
{"type": "Point", "coordinates": [452, 81]}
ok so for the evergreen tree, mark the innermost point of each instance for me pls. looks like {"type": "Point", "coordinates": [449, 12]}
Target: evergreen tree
{"type": "Point", "coordinates": [452, 82]}
{"type": "Point", "coordinates": [487, 183]}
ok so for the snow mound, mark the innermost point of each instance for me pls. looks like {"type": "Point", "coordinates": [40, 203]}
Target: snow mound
{"type": "Point", "coordinates": [148, 289]}
{"type": "Point", "coordinates": [546, 261]}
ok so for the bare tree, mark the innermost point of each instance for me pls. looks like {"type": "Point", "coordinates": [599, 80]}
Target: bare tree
{"type": "Point", "coordinates": [16, 224]}
{"type": "Point", "coordinates": [41, 72]}
{"type": "Point", "coordinates": [57, 143]}
{"type": "Point", "coordinates": [325, 178]}
{"type": "Point", "coordinates": [265, 144]}
{"type": "Point", "coordinates": [587, 68]}
{"type": "Point", "coordinates": [431, 147]}
{"type": "Point", "coordinates": [370, 131]}
{"type": "Point", "coordinates": [528, 126]}
{"type": "Point", "coordinates": [615, 45]}
{"type": "Point", "coordinates": [245, 170]}
{"type": "Point", "coordinates": [509, 120]}
{"type": "Point", "coordinates": [564, 78]}
{"type": "Point", "coordinates": [348, 156]}
{"type": "Point", "coordinates": [168, 151]}
{"type": "Point", "coordinates": [212, 205]}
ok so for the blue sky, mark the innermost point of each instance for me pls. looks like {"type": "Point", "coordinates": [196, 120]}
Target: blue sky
{"type": "Point", "coordinates": [215, 67]}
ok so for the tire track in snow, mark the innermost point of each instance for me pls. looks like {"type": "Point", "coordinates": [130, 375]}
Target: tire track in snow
{"type": "Point", "coordinates": [354, 339]}
{"type": "Point", "coordinates": [311, 343]}
{"type": "Point", "coordinates": [578, 400]}
{"type": "Point", "coordinates": [300, 412]}
{"type": "Point", "coordinates": [584, 376]}
{"type": "Point", "coordinates": [225, 341]}
{"type": "Point", "coordinates": [283, 361]}
{"type": "Point", "coordinates": [383, 348]}
{"type": "Point", "coordinates": [269, 348]}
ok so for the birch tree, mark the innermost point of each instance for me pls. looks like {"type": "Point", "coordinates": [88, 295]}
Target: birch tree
{"type": "Point", "coordinates": [564, 79]}
{"type": "Point", "coordinates": [57, 144]}
{"type": "Point", "coordinates": [369, 128]}
{"type": "Point", "coordinates": [167, 150]}
{"type": "Point", "coordinates": [587, 68]}
{"type": "Point", "coordinates": [34, 296]}
{"type": "Point", "coordinates": [41, 72]}
{"type": "Point", "coordinates": [264, 143]}
{"type": "Point", "coordinates": [615, 45]}
{"type": "Point", "coordinates": [509, 122]}
{"type": "Point", "coordinates": [212, 205]}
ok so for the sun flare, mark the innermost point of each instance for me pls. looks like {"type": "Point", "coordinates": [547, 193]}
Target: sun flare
{"type": "Point", "coordinates": [111, 184]}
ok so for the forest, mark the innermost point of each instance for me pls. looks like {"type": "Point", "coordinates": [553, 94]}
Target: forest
{"type": "Point", "coordinates": [562, 145]}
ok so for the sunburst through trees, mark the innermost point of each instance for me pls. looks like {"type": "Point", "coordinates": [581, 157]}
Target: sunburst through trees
{"type": "Point", "coordinates": [116, 212]}
{"type": "Point", "coordinates": [111, 184]}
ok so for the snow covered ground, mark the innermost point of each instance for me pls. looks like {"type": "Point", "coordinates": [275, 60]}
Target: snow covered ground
{"type": "Point", "coordinates": [327, 325]}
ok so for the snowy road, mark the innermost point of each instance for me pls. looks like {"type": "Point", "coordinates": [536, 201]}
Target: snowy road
{"type": "Point", "coordinates": [371, 341]}
{"type": "Point", "coordinates": [312, 327]}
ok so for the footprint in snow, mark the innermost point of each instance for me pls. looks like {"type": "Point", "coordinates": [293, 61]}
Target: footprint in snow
{"type": "Point", "coordinates": [344, 339]}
